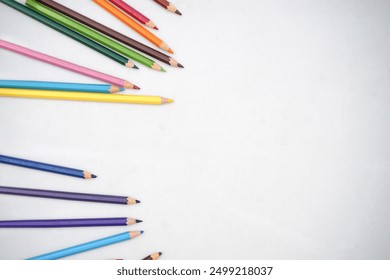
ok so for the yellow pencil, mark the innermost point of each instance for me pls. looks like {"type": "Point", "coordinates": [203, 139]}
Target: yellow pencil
{"type": "Point", "coordinates": [83, 96]}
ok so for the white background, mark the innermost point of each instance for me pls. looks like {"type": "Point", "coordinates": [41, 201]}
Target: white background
{"type": "Point", "coordinates": [277, 145]}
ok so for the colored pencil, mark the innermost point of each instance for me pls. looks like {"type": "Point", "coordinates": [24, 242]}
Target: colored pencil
{"type": "Point", "coordinates": [56, 223]}
{"type": "Point", "coordinates": [133, 13]}
{"type": "Point", "coordinates": [66, 65]}
{"type": "Point", "coordinates": [70, 33]}
{"type": "Point", "coordinates": [112, 33]}
{"type": "Point", "coordinates": [59, 86]}
{"type": "Point", "coordinates": [152, 257]}
{"type": "Point", "coordinates": [46, 167]}
{"type": "Point", "coordinates": [168, 6]}
{"type": "Point", "coordinates": [87, 197]}
{"type": "Point", "coordinates": [88, 246]}
{"type": "Point", "coordinates": [84, 96]}
{"type": "Point", "coordinates": [86, 31]}
{"type": "Point", "coordinates": [134, 25]}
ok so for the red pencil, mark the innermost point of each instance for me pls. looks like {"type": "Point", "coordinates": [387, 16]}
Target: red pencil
{"type": "Point", "coordinates": [133, 13]}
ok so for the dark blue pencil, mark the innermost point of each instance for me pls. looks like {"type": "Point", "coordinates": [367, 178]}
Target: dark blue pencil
{"type": "Point", "coordinates": [56, 223]}
{"type": "Point", "coordinates": [46, 167]}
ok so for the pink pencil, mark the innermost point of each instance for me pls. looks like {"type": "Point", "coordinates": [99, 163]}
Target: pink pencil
{"type": "Point", "coordinates": [67, 65]}
{"type": "Point", "coordinates": [133, 13]}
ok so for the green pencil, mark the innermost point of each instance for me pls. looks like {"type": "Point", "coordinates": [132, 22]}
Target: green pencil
{"type": "Point", "coordinates": [70, 33]}
{"type": "Point", "coordinates": [92, 34]}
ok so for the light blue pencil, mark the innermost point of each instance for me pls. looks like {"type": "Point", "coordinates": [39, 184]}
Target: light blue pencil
{"type": "Point", "coordinates": [103, 88]}
{"type": "Point", "coordinates": [88, 246]}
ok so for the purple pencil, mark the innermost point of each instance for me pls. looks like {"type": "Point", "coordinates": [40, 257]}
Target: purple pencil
{"type": "Point", "coordinates": [94, 222]}
{"type": "Point", "coordinates": [115, 199]}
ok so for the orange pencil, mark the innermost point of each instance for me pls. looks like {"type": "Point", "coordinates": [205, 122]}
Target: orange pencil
{"type": "Point", "coordinates": [132, 24]}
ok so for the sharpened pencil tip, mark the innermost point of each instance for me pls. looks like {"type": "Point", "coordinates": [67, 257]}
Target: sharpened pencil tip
{"type": "Point", "coordinates": [135, 67]}
{"type": "Point", "coordinates": [93, 176]}
{"type": "Point", "coordinates": [142, 231]}
{"type": "Point", "coordinates": [155, 28]}
{"type": "Point", "coordinates": [180, 65]}
{"type": "Point", "coordinates": [159, 253]}
{"type": "Point", "coordinates": [138, 221]}
{"type": "Point", "coordinates": [163, 70]}
{"type": "Point", "coordinates": [178, 12]}
{"type": "Point", "coordinates": [136, 87]}
{"type": "Point", "coordinates": [170, 50]}
{"type": "Point", "coordinates": [137, 201]}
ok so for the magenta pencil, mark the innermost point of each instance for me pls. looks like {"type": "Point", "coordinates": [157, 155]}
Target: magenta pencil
{"type": "Point", "coordinates": [66, 65]}
{"type": "Point", "coordinates": [133, 13]}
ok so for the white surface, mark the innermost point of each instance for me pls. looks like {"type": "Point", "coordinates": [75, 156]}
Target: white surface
{"type": "Point", "coordinates": [277, 145]}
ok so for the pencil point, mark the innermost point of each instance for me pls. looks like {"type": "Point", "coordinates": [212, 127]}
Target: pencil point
{"type": "Point", "coordinates": [114, 89]}
{"type": "Point", "coordinates": [180, 65]}
{"type": "Point", "coordinates": [178, 12]}
{"type": "Point", "coordinates": [136, 87]}
{"type": "Point", "coordinates": [163, 70]}
{"type": "Point", "coordinates": [159, 253]}
{"type": "Point", "coordinates": [170, 50]}
{"type": "Point", "coordinates": [156, 66]}
{"type": "Point", "coordinates": [138, 221]}
{"type": "Point", "coordinates": [130, 64]}
{"type": "Point", "coordinates": [93, 176]}
{"type": "Point", "coordinates": [166, 100]}
{"type": "Point", "coordinates": [151, 25]}
{"type": "Point", "coordinates": [121, 89]}
{"type": "Point", "coordinates": [135, 67]}
{"type": "Point", "coordinates": [135, 233]}
{"type": "Point", "coordinates": [137, 201]}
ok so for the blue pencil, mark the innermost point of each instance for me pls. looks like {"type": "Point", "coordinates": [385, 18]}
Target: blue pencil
{"type": "Point", "coordinates": [103, 88]}
{"type": "Point", "coordinates": [46, 167]}
{"type": "Point", "coordinates": [88, 246]}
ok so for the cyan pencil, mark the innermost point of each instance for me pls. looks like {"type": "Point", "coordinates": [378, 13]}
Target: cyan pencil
{"type": "Point", "coordinates": [88, 246]}
{"type": "Point", "coordinates": [102, 88]}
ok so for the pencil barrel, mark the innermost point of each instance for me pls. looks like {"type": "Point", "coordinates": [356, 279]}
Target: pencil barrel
{"type": "Point", "coordinates": [129, 10]}
{"type": "Point", "coordinates": [41, 166]}
{"type": "Point", "coordinates": [64, 195]}
{"type": "Point", "coordinates": [83, 247]}
{"type": "Point", "coordinates": [57, 223]}
{"type": "Point", "coordinates": [62, 63]}
{"type": "Point", "coordinates": [80, 96]}
{"type": "Point", "coordinates": [55, 86]}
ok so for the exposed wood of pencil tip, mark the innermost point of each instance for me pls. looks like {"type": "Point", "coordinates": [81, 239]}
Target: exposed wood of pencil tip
{"type": "Point", "coordinates": [135, 233]}
{"type": "Point", "coordinates": [130, 85]}
{"type": "Point", "coordinates": [157, 67]}
{"type": "Point", "coordinates": [151, 25]}
{"type": "Point", "coordinates": [152, 257]}
{"type": "Point", "coordinates": [131, 221]}
{"type": "Point", "coordinates": [165, 47]}
{"type": "Point", "coordinates": [130, 64]}
{"type": "Point", "coordinates": [114, 89]}
{"type": "Point", "coordinates": [173, 9]}
{"type": "Point", "coordinates": [88, 175]}
{"type": "Point", "coordinates": [131, 200]}
{"type": "Point", "coordinates": [166, 100]}
{"type": "Point", "coordinates": [174, 63]}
